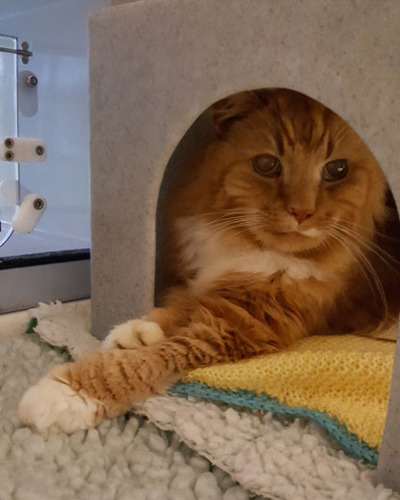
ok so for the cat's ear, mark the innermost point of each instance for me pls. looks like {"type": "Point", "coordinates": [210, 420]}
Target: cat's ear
{"type": "Point", "coordinates": [233, 108]}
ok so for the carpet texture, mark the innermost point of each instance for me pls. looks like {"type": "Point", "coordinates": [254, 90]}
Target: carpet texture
{"type": "Point", "coordinates": [123, 459]}
{"type": "Point", "coordinates": [129, 458]}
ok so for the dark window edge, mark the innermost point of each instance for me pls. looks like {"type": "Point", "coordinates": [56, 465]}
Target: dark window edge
{"type": "Point", "coordinates": [44, 258]}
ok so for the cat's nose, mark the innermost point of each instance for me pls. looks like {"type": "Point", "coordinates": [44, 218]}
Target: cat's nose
{"type": "Point", "coordinates": [300, 214]}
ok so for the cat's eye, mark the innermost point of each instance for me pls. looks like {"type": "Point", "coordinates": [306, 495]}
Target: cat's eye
{"type": "Point", "coordinates": [335, 170]}
{"type": "Point", "coordinates": [267, 165]}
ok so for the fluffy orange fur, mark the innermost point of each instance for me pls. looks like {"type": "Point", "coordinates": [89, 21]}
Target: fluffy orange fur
{"type": "Point", "coordinates": [265, 248]}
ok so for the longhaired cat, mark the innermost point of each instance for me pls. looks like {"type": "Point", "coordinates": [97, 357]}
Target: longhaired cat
{"type": "Point", "coordinates": [281, 230]}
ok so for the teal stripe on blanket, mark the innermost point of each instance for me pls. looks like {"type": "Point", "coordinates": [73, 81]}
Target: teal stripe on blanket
{"type": "Point", "coordinates": [348, 441]}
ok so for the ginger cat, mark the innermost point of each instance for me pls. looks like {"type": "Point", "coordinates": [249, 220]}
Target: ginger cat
{"type": "Point", "coordinates": [282, 230]}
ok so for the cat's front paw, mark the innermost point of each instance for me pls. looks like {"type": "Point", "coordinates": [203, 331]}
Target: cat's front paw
{"type": "Point", "coordinates": [52, 403]}
{"type": "Point", "coordinates": [133, 334]}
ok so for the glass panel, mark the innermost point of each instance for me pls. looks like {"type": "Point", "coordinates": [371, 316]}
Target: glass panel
{"type": "Point", "coordinates": [9, 188]}
{"type": "Point", "coordinates": [56, 111]}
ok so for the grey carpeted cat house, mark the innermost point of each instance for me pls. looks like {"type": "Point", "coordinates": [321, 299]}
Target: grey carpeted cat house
{"type": "Point", "coordinates": [156, 65]}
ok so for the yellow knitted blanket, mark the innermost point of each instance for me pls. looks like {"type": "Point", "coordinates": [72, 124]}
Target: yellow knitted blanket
{"type": "Point", "coordinates": [347, 377]}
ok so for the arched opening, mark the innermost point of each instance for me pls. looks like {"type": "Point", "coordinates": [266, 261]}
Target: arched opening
{"type": "Point", "coordinates": [320, 136]}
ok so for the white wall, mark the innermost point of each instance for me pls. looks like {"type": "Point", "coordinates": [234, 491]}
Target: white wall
{"type": "Point", "coordinates": [57, 110]}
{"type": "Point", "coordinates": [11, 7]}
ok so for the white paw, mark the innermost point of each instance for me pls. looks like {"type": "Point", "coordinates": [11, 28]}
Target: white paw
{"type": "Point", "coordinates": [133, 334]}
{"type": "Point", "coordinates": [54, 404]}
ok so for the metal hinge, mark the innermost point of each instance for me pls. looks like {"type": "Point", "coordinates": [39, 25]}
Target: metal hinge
{"type": "Point", "coordinates": [23, 52]}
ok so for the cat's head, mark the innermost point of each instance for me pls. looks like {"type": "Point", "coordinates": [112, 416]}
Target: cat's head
{"type": "Point", "coordinates": [290, 172]}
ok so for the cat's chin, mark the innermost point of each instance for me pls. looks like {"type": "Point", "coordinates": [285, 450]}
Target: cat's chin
{"type": "Point", "coordinates": [294, 242]}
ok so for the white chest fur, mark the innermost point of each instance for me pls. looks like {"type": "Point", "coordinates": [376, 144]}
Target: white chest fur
{"type": "Point", "coordinates": [210, 257]}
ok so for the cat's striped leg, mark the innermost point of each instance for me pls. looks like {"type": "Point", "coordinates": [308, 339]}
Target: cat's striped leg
{"type": "Point", "coordinates": [105, 384]}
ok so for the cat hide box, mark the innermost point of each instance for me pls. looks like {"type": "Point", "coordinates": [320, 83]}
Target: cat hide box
{"type": "Point", "coordinates": [156, 65]}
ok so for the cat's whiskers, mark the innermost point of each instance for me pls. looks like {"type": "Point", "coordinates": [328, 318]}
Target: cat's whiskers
{"type": "Point", "coordinates": [369, 245]}
{"type": "Point", "coordinates": [227, 223]}
{"type": "Point", "coordinates": [214, 228]}
{"type": "Point", "coordinates": [246, 219]}
{"type": "Point", "coordinates": [366, 229]}
{"type": "Point", "coordinates": [364, 264]}
{"type": "Point", "coordinates": [356, 248]}
{"type": "Point", "coordinates": [237, 227]}
{"type": "Point", "coordinates": [227, 212]}
{"type": "Point", "coordinates": [360, 262]}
